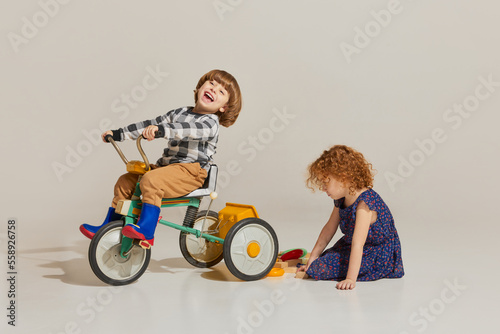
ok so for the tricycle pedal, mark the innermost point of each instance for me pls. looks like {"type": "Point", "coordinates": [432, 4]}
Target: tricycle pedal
{"type": "Point", "coordinates": [146, 244]}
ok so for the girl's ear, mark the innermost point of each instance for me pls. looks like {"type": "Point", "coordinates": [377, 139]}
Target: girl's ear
{"type": "Point", "coordinates": [223, 109]}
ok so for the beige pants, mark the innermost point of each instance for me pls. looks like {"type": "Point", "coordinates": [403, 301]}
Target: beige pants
{"type": "Point", "coordinates": [171, 181]}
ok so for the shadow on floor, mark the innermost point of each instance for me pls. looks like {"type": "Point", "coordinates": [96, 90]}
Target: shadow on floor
{"type": "Point", "coordinates": [77, 271]}
{"type": "Point", "coordinates": [160, 266]}
{"type": "Point", "coordinates": [220, 273]}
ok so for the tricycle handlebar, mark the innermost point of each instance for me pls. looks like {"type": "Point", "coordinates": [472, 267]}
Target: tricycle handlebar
{"type": "Point", "coordinates": [143, 155]}
{"type": "Point", "coordinates": [110, 139]}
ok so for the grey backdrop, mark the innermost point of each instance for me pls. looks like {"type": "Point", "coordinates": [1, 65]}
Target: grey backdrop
{"type": "Point", "coordinates": [414, 85]}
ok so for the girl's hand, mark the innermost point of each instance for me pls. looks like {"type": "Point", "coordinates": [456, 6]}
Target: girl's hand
{"type": "Point", "coordinates": [104, 134]}
{"type": "Point", "coordinates": [302, 268]}
{"type": "Point", "coordinates": [346, 284]}
{"type": "Point", "coordinates": [149, 132]}
{"type": "Point", "coordinates": [306, 267]}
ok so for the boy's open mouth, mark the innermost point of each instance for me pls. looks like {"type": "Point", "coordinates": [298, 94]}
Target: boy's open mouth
{"type": "Point", "coordinates": [209, 96]}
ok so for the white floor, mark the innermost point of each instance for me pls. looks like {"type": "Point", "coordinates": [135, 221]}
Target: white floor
{"type": "Point", "coordinates": [445, 290]}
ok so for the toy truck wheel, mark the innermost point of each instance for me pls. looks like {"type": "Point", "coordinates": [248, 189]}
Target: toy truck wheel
{"type": "Point", "coordinates": [250, 249]}
{"type": "Point", "coordinates": [107, 263]}
{"type": "Point", "coordinates": [200, 252]}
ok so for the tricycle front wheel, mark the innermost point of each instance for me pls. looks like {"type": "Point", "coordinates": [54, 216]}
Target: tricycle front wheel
{"type": "Point", "coordinates": [250, 249]}
{"type": "Point", "coordinates": [107, 263]}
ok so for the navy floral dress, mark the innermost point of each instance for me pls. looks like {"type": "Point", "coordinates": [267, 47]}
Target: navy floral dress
{"type": "Point", "coordinates": [381, 252]}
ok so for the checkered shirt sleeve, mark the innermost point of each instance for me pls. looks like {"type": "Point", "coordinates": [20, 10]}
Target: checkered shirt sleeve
{"type": "Point", "coordinates": [191, 137]}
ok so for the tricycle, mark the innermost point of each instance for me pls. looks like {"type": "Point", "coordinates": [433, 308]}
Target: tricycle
{"type": "Point", "coordinates": [248, 244]}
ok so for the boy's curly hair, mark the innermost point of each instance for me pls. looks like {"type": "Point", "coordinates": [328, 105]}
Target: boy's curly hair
{"type": "Point", "coordinates": [345, 164]}
{"type": "Point", "coordinates": [230, 84]}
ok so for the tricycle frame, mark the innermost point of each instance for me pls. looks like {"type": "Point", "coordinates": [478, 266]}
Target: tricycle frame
{"type": "Point", "coordinates": [133, 209]}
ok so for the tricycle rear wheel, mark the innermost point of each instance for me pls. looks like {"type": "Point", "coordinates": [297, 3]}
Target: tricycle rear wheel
{"type": "Point", "coordinates": [250, 249]}
{"type": "Point", "coordinates": [200, 252]}
{"type": "Point", "coordinates": [107, 263]}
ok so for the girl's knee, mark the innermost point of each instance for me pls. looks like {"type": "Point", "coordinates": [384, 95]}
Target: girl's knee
{"type": "Point", "coordinates": [318, 270]}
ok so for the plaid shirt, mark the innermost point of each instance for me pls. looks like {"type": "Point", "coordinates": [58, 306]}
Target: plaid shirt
{"type": "Point", "coordinates": [191, 137]}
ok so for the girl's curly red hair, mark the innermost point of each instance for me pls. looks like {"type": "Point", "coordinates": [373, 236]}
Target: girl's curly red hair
{"type": "Point", "coordinates": [345, 164]}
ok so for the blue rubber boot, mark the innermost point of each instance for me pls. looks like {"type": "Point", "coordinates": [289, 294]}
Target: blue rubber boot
{"type": "Point", "coordinates": [89, 230]}
{"type": "Point", "coordinates": [146, 226]}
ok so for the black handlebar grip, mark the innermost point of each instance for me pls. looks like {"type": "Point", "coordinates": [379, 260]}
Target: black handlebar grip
{"type": "Point", "coordinates": [160, 133]}
{"type": "Point", "coordinates": [106, 139]}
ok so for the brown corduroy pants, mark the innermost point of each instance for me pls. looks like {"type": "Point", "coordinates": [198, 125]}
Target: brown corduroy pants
{"type": "Point", "coordinates": [170, 181]}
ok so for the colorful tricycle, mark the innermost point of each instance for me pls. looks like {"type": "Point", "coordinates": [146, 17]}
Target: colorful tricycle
{"type": "Point", "coordinates": [247, 244]}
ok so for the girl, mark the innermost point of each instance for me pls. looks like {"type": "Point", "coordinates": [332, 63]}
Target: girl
{"type": "Point", "coordinates": [370, 248]}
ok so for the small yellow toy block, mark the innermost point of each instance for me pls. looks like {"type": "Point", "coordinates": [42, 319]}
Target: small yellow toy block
{"type": "Point", "coordinates": [293, 263]}
{"type": "Point", "coordinates": [301, 275]}
{"type": "Point", "coordinates": [290, 270]}
{"type": "Point", "coordinates": [280, 265]}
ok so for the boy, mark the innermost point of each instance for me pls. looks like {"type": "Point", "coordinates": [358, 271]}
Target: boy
{"type": "Point", "coordinates": [192, 134]}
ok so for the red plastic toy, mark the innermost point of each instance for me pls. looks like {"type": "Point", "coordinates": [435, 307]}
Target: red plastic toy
{"type": "Point", "coordinates": [292, 254]}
